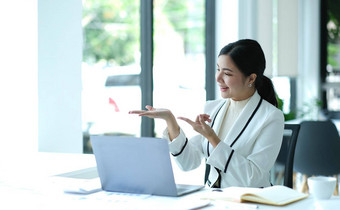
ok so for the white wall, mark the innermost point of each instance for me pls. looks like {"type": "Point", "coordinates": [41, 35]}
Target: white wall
{"type": "Point", "coordinates": [287, 40]}
{"type": "Point", "coordinates": [40, 90]}
{"type": "Point", "coordinates": [18, 78]}
{"type": "Point", "coordinates": [309, 52]}
{"type": "Point", "coordinates": [59, 79]}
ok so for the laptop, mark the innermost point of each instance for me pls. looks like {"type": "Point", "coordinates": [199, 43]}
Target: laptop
{"type": "Point", "coordinates": [136, 165]}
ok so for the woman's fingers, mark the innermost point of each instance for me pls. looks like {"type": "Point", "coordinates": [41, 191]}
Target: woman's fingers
{"type": "Point", "coordinates": [152, 112]}
{"type": "Point", "coordinates": [199, 123]}
{"type": "Point", "coordinates": [136, 111]}
{"type": "Point", "coordinates": [186, 120]}
{"type": "Point", "coordinates": [199, 119]}
{"type": "Point", "coordinates": [150, 108]}
{"type": "Point", "coordinates": [205, 117]}
{"type": "Point", "coordinates": [163, 113]}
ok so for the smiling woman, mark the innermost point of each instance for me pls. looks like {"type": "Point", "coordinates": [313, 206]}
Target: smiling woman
{"type": "Point", "coordinates": [239, 135]}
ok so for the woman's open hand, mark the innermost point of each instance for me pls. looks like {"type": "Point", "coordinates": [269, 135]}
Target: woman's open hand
{"type": "Point", "coordinates": [165, 114]}
{"type": "Point", "coordinates": [152, 112]}
{"type": "Point", "coordinates": [200, 126]}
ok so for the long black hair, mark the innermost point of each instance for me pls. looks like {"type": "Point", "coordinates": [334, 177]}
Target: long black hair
{"type": "Point", "coordinates": [248, 56]}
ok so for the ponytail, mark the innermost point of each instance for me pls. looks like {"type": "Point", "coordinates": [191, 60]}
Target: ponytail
{"type": "Point", "coordinates": [266, 90]}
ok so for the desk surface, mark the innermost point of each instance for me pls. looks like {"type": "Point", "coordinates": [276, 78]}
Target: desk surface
{"type": "Point", "coordinates": [29, 183]}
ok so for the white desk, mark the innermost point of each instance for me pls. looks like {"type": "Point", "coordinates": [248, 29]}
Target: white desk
{"type": "Point", "coordinates": [28, 183]}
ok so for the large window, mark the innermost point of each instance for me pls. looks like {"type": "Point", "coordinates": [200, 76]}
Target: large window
{"type": "Point", "coordinates": [111, 68]}
{"type": "Point", "coordinates": [117, 67]}
{"type": "Point", "coordinates": [112, 63]}
{"type": "Point", "coordinates": [179, 58]}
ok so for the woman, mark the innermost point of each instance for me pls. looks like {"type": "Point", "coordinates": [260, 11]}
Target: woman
{"type": "Point", "coordinates": [240, 134]}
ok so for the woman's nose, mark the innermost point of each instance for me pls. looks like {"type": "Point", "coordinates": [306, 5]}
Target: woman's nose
{"type": "Point", "coordinates": [218, 75]}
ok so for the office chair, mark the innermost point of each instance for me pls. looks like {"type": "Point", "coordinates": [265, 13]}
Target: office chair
{"type": "Point", "coordinates": [318, 149]}
{"type": "Point", "coordinates": [286, 154]}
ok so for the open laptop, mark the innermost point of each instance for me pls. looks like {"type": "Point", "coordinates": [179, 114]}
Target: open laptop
{"type": "Point", "coordinates": [136, 165]}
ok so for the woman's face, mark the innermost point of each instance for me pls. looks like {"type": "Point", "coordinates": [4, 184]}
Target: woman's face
{"type": "Point", "coordinates": [232, 82]}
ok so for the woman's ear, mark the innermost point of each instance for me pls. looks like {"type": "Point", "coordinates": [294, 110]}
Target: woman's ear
{"type": "Point", "coordinates": [252, 78]}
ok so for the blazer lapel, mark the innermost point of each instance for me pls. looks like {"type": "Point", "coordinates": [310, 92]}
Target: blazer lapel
{"type": "Point", "coordinates": [220, 115]}
{"type": "Point", "coordinates": [242, 118]}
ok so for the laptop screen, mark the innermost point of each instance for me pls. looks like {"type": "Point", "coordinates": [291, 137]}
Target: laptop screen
{"type": "Point", "coordinates": [134, 165]}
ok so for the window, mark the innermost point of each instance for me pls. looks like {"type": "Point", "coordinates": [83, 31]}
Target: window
{"type": "Point", "coordinates": [330, 54]}
{"type": "Point", "coordinates": [112, 52]}
{"type": "Point", "coordinates": [111, 68]}
{"type": "Point", "coordinates": [179, 59]}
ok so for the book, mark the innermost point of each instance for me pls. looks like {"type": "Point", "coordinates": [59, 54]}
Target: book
{"type": "Point", "coordinates": [277, 195]}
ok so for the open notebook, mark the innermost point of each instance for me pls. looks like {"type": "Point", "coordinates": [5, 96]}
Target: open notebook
{"type": "Point", "coordinates": [136, 165]}
{"type": "Point", "coordinates": [275, 195]}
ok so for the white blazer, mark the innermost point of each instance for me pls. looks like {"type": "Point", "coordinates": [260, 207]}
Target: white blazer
{"type": "Point", "coordinates": [241, 161]}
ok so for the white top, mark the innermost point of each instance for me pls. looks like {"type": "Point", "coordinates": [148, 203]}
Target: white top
{"type": "Point", "coordinates": [230, 116]}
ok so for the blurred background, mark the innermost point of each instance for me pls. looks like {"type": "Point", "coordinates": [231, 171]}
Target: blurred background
{"type": "Point", "coordinates": [71, 69]}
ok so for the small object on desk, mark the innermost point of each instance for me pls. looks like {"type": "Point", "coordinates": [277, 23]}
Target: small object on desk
{"type": "Point", "coordinates": [80, 190]}
{"type": "Point", "coordinates": [76, 185]}
{"type": "Point", "coordinates": [83, 181]}
{"type": "Point", "coordinates": [321, 187]}
{"type": "Point", "coordinates": [83, 186]}
{"type": "Point", "coordinates": [275, 195]}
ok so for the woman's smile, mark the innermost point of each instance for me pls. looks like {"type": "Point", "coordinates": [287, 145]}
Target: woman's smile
{"type": "Point", "coordinates": [224, 89]}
